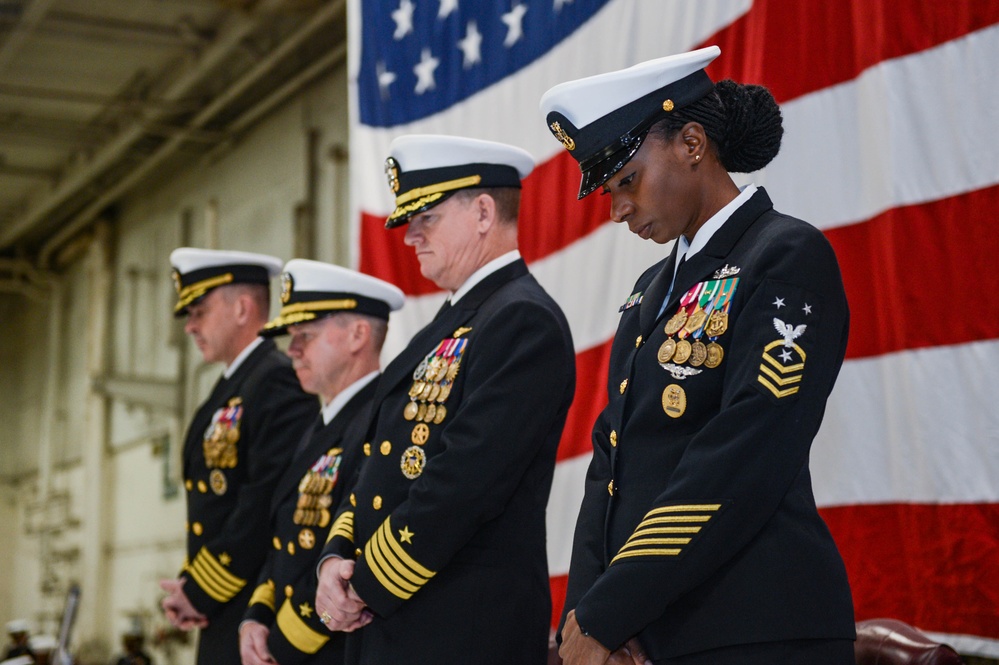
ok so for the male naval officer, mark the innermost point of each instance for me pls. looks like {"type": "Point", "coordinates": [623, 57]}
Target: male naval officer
{"type": "Point", "coordinates": [238, 444]}
{"type": "Point", "coordinates": [337, 319]}
{"type": "Point", "coordinates": [439, 552]}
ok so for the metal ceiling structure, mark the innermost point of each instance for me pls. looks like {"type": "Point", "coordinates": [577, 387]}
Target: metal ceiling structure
{"type": "Point", "coordinates": [98, 96]}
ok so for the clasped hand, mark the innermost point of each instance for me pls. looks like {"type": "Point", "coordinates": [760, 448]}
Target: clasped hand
{"type": "Point", "coordinates": [336, 601]}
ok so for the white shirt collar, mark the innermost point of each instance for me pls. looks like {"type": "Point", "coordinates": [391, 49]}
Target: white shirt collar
{"type": "Point", "coordinates": [483, 272]}
{"type": "Point", "coordinates": [234, 365]}
{"type": "Point", "coordinates": [711, 226]}
{"type": "Point", "coordinates": [330, 410]}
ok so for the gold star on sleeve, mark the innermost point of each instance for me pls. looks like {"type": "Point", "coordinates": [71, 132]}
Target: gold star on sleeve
{"type": "Point", "coordinates": [305, 610]}
{"type": "Point", "coordinates": [405, 535]}
{"type": "Point", "coordinates": [225, 559]}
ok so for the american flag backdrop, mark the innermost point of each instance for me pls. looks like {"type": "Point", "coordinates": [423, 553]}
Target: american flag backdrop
{"type": "Point", "coordinates": [891, 147]}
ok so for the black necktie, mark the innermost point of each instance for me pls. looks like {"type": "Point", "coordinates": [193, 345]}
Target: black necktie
{"type": "Point", "coordinates": [669, 293]}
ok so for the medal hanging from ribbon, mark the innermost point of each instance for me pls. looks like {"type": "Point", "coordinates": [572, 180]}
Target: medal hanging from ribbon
{"type": "Point", "coordinates": [314, 490]}
{"type": "Point", "coordinates": [703, 313]}
{"type": "Point", "coordinates": [432, 382]}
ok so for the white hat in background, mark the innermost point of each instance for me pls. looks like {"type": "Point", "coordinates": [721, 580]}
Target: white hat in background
{"type": "Point", "coordinates": [198, 271]}
{"type": "Point", "coordinates": [313, 290]}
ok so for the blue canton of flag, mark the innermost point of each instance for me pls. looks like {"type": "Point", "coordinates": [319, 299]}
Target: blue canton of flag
{"type": "Point", "coordinates": [421, 56]}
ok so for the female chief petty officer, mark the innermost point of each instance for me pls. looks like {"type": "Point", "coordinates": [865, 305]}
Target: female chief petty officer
{"type": "Point", "coordinates": [698, 540]}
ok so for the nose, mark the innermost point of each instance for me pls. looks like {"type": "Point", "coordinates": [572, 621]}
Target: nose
{"type": "Point", "coordinates": [413, 234]}
{"type": "Point", "coordinates": [189, 326]}
{"type": "Point", "coordinates": [620, 208]}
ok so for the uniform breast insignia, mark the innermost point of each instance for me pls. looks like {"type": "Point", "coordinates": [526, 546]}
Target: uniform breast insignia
{"type": "Point", "coordinates": [464, 330]}
{"type": "Point", "coordinates": [412, 462]}
{"type": "Point", "coordinates": [218, 482]}
{"type": "Point", "coordinates": [726, 271]}
{"type": "Point", "coordinates": [783, 361]}
{"type": "Point", "coordinates": [313, 508]}
{"type": "Point", "coordinates": [702, 315]}
{"type": "Point", "coordinates": [222, 435]}
{"type": "Point", "coordinates": [633, 300]}
{"type": "Point", "coordinates": [433, 380]}
{"type": "Point", "coordinates": [674, 401]}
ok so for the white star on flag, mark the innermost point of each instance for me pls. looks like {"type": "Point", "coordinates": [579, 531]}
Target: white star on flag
{"type": "Point", "coordinates": [514, 20]}
{"type": "Point", "coordinates": [560, 3]}
{"type": "Point", "coordinates": [385, 79]}
{"type": "Point", "coordinates": [471, 45]}
{"type": "Point", "coordinates": [425, 72]}
{"type": "Point", "coordinates": [403, 18]}
{"type": "Point", "coordinates": [446, 7]}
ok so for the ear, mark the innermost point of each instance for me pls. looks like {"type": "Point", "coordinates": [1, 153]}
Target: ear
{"type": "Point", "coordinates": [241, 308]}
{"type": "Point", "coordinates": [485, 208]}
{"type": "Point", "coordinates": [360, 333]}
{"type": "Point", "coordinates": [694, 142]}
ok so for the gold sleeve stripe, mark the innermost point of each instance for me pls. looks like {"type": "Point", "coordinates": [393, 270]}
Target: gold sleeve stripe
{"type": "Point", "coordinates": [210, 584]}
{"type": "Point", "coordinates": [777, 393]}
{"type": "Point", "coordinates": [297, 632]}
{"type": "Point", "coordinates": [396, 584]}
{"type": "Point", "coordinates": [646, 552]}
{"type": "Point", "coordinates": [343, 526]}
{"type": "Point", "coordinates": [264, 595]}
{"type": "Point", "coordinates": [219, 571]}
{"type": "Point", "coordinates": [401, 555]}
{"type": "Point", "coordinates": [642, 542]}
{"type": "Point", "coordinates": [646, 527]}
{"type": "Point", "coordinates": [691, 508]}
{"type": "Point", "coordinates": [796, 378]}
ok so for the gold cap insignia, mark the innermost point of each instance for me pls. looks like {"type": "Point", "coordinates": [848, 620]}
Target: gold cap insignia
{"type": "Point", "coordinates": [287, 283]}
{"type": "Point", "coordinates": [564, 138]}
{"type": "Point", "coordinates": [175, 274]}
{"type": "Point", "coordinates": [668, 105]}
{"type": "Point", "coordinates": [392, 174]}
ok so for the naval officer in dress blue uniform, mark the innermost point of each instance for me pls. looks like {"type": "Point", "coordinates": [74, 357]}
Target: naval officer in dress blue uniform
{"type": "Point", "coordinates": [439, 552]}
{"type": "Point", "coordinates": [239, 442]}
{"type": "Point", "coordinates": [698, 540]}
{"type": "Point", "coordinates": [337, 319]}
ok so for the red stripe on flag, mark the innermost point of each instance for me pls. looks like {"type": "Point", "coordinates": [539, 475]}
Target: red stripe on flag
{"type": "Point", "coordinates": [923, 564]}
{"type": "Point", "coordinates": [833, 42]}
{"type": "Point", "coordinates": [384, 255]}
{"type": "Point", "coordinates": [590, 399]}
{"type": "Point", "coordinates": [922, 275]}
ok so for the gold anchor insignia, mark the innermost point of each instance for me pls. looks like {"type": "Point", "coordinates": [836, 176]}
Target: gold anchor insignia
{"type": "Point", "coordinates": [392, 173]}
{"type": "Point", "coordinates": [287, 282]}
{"type": "Point", "coordinates": [176, 280]}
{"type": "Point", "coordinates": [564, 138]}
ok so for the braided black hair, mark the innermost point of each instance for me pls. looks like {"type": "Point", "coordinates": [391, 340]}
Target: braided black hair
{"type": "Point", "coordinates": [742, 121]}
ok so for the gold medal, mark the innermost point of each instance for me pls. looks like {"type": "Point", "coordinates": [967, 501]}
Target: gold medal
{"type": "Point", "coordinates": [412, 462]}
{"type": "Point", "coordinates": [674, 401]}
{"type": "Point", "coordinates": [440, 415]}
{"type": "Point", "coordinates": [324, 518]}
{"type": "Point", "coordinates": [434, 392]}
{"type": "Point", "coordinates": [306, 539]}
{"type": "Point", "coordinates": [431, 412]}
{"type": "Point", "coordinates": [695, 321]}
{"type": "Point", "coordinates": [452, 371]}
{"type": "Point", "coordinates": [421, 410]}
{"type": "Point", "coordinates": [416, 389]}
{"type": "Point", "coordinates": [714, 355]}
{"type": "Point", "coordinates": [232, 436]}
{"type": "Point", "coordinates": [425, 393]}
{"type": "Point", "coordinates": [682, 352]}
{"type": "Point", "coordinates": [420, 434]}
{"type": "Point", "coordinates": [698, 353]}
{"type": "Point", "coordinates": [410, 411]}
{"type": "Point", "coordinates": [445, 391]}
{"type": "Point", "coordinates": [299, 516]}
{"type": "Point", "coordinates": [676, 322]}
{"type": "Point", "coordinates": [666, 350]}
{"type": "Point", "coordinates": [218, 482]}
{"type": "Point", "coordinates": [717, 324]}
